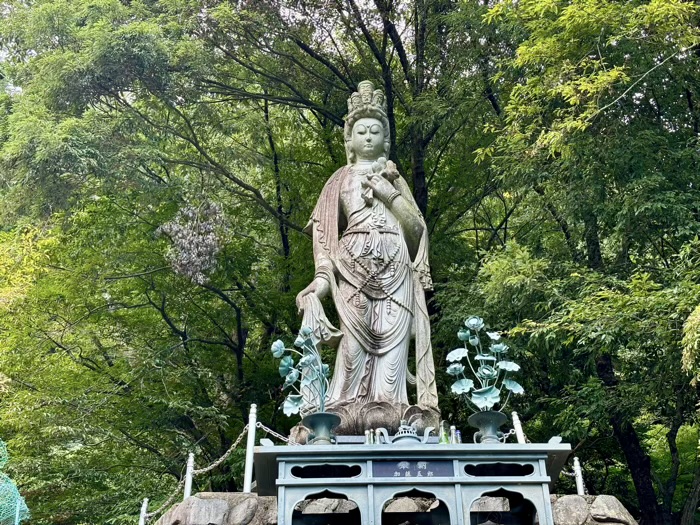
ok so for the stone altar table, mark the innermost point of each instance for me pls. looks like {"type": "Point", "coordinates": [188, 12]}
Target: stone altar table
{"type": "Point", "coordinates": [372, 475]}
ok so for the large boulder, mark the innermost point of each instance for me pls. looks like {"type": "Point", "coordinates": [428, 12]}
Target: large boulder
{"type": "Point", "coordinates": [223, 508]}
{"type": "Point", "coordinates": [326, 506]}
{"type": "Point", "coordinates": [570, 510]}
{"type": "Point", "coordinates": [236, 508]}
{"type": "Point", "coordinates": [608, 509]}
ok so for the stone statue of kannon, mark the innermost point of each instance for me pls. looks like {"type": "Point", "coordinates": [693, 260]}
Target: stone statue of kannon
{"type": "Point", "coordinates": [371, 255]}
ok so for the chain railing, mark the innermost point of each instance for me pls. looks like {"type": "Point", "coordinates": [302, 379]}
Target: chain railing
{"type": "Point", "coordinates": [223, 458]}
{"type": "Point", "coordinates": [185, 484]}
{"type": "Point", "coordinates": [505, 436]}
{"type": "Point", "coordinates": [288, 441]}
{"type": "Point", "coordinates": [577, 473]}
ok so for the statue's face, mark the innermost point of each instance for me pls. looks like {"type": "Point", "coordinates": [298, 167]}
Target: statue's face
{"type": "Point", "coordinates": [368, 139]}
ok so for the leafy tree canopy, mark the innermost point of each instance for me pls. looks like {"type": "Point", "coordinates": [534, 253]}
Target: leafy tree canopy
{"type": "Point", "coordinates": [160, 159]}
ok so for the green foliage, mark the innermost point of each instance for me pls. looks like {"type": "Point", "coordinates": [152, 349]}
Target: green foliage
{"type": "Point", "coordinates": [551, 144]}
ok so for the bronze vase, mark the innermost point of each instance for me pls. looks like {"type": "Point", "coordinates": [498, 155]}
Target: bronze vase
{"type": "Point", "coordinates": [321, 424]}
{"type": "Point", "coordinates": [488, 422]}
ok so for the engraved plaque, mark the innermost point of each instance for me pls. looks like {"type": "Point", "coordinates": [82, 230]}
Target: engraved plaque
{"type": "Point", "coordinates": [412, 469]}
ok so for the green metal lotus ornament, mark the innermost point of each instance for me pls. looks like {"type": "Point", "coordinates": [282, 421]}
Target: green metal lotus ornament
{"type": "Point", "coordinates": [307, 378]}
{"type": "Point", "coordinates": [13, 509]}
{"type": "Point", "coordinates": [490, 367]}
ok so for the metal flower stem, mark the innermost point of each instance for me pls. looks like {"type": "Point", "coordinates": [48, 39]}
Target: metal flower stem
{"type": "Point", "coordinates": [318, 370]}
{"type": "Point", "coordinates": [503, 380]}
{"type": "Point", "coordinates": [503, 407]}
{"type": "Point", "coordinates": [466, 396]}
{"type": "Point", "coordinates": [319, 388]}
{"type": "Point", "coordinates": [319, 391]}
{"type": "Point", "coordinates": [479, 350]}
{"type": "Point", "coordinates": [469, 360]}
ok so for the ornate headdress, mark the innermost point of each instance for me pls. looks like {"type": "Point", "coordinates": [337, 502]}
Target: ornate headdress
{"type": "Point", "coordinates": [366, 102]}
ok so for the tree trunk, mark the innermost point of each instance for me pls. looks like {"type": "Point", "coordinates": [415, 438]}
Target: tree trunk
{"type": "Point", "coordinates": [638, 461]}
{"type": "Point", "coordinates": [595, 258]}
{"type": "Point", "coordinates": [562, 222]}
{"type": "Point", "coordinates": [283, 228]}
{"type": "Point", "coordinates": [691, 503]}
{"type": "Point", "coordinates": [420, 184]}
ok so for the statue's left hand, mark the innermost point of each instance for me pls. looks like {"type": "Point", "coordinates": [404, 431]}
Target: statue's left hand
{"type": "Point", "coordinates": [390, 172]}
{"type": "Point", "coordinates": [381, 187]}
{"type": "Point", "coordinates": [318, 286]}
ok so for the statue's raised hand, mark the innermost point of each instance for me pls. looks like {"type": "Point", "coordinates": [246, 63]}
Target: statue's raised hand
{"type": "Point", "coordinates": [381, 187]}
{"type": "Point", "coordinates": [390, 172]}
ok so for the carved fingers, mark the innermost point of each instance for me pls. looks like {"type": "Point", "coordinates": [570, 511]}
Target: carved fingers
{"type": "Point", "coordinates": [300, 296]}
{"type": "Point", "coordinates": [380, 186]}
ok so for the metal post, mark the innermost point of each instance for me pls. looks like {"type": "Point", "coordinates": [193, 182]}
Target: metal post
{"type": "Point", "coordinates": [517, 425]}
{"type": "Point", "coordinates": [144, 508]}
{"type": "Point", "coordinates": [578, 474]}
{"type": "Point", "coordinates": [250, 445]}
{"type": "Point", "coordinates": [188, 476]}
{"type": "Point", "coordinates": [17, 509]}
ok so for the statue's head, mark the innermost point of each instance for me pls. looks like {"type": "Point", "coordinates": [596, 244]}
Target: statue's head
{"type": "Point", "coordinates": [366, 126]}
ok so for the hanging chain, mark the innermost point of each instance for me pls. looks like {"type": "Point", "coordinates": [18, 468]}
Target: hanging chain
{"type": "Point", "coordinates": [572, 474]}
{"type": "Point", "coordinates": [505, 437]}
{"type": "Point", "coordinates": [287, 440]}
{"type": "Point", "coordinates": [222, 458]}
{"type": "Point", "coordinates": [168, 502]}
{"type": "Point", "coordinates": [204, 470]}
{"type": "Point", "coordinates": [216, 463]}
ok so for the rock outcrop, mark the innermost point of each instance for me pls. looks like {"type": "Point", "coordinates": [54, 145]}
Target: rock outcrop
{"type": "Point", "coordinates": [236, 508]}
{"type": "Point", "coordinates": [223, 508]}
{"type": "Point", "coordinates": [590, 510]}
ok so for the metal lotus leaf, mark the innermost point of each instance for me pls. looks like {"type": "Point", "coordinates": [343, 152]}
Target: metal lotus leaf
{"type": "Point", "coordinates": [292, 404]}
{"type": "Point", "coordinates": [455, 369]}
{"type": "Point", "coordinates": [485, 357]}
{"type": "Point", "coordinates": [509, 366]}
{"type": "Point", "coordinates": [291, 378]}
{"type": "Point", "coordinates": [513, 386]}
{"type": "Point", "coordinates": [499, 348]}
{"type": "Point", "coordinates": [485, 398]}
{"type": "Point", "coordinates": [457, 354]}
{"type": "Point", "coordinates": [487, 372]}
{"type": "Point", "coordinates": [308, 379]}
{"type": "Point", "coordinates": [462, 386]}
{"type": "Point", "coordinates": [4, 455]}
{"type": "Point", "coordinates": [494, 336]}
{"type": "Point", "coordinates": [307, 361]}
{"type": "Point", "coordinates": [286, 365]}
{"type": "Point", "coordinates": [474, 323]}
{"type": "Point", "coordinates": [278, 349]}
{"type": "Point", "coordinates": [304, 340]}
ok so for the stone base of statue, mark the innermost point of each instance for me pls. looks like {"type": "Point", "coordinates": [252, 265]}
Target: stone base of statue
{"type": "Point", "coordinates": [453, 478]}
{"type": "Point", "coordinates": [355, 418]}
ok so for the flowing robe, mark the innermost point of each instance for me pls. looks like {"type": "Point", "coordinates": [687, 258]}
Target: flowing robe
{"type": "Point", "coordinates": [378, 291]}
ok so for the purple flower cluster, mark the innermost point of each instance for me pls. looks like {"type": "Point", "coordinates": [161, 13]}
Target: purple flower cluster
{"type": "Point", "coordinates": [195, 233]}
